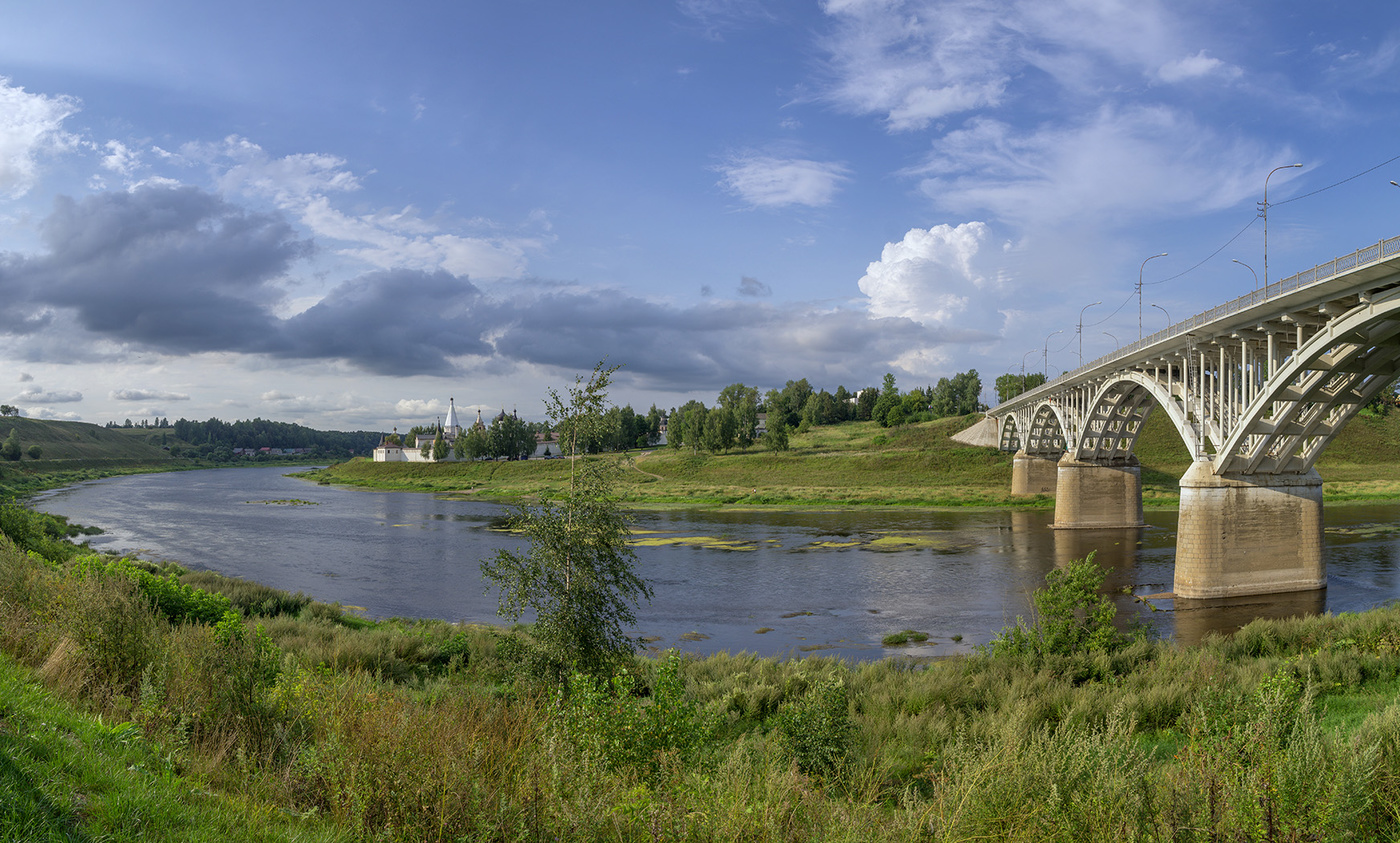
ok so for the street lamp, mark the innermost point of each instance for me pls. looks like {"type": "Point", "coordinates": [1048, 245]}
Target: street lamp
{"type": "Point", "coordinates": [1139, 290]}
{"type": "Point", "coordinates": [1080, 330]}
{"type": "Point", "coordinates": [1045, 359]}
{"type": "Point", "coordinates": [1251, 270]}
{"type": "Point", "coordinates": [1116, 343]}
{"type": "Point", "coordinates": [1264, 212]}
{"type": "Point", "coordinates": [1164, 313]}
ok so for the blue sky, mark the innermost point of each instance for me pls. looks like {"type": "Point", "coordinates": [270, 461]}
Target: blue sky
{"type": "Point", "coordinates": [344, 214]}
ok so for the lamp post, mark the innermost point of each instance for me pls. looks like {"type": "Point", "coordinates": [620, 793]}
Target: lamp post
{"type": "Point", "coordinates": [1264, 212]}
{"type": "Point", "coordinates": [1045, 358]}
{"type": "Point", "coordinates": [1164, 313]}
{"type": "Point", "coordinates": [1080, 330]}
{"type": "Point", "coordinates": [1251, 271]}
{"type": "Point", "coordinates": [1116, 343]}
{"type": "Point", "coordinates": [1023, 371]}
{"type": "Point", "coordinates": [1139, 289]}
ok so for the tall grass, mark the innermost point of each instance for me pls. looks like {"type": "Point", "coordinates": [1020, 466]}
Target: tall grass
{"type": "Point", "coordinates": [429, 731]}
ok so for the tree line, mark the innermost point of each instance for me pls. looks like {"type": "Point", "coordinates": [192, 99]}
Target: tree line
{"type": "Point", "coordinates": [216, 439]}
{"type": "Point", "coordinates": [733, 420]}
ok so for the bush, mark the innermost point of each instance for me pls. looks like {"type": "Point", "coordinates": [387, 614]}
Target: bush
{"type": "Point", "coordinates": [614, 724]}
{"type": "Point", "coordinates": [176, 601]}
{"type": "Point", "coordinates": [1071, 617]}
{"type": "Point", "coordinates": [817, 729]}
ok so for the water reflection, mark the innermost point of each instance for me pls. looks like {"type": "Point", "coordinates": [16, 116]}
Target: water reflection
{"type": "Point", "coordinates": [776, 582]}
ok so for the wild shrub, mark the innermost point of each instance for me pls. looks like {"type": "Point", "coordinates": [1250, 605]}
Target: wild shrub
{"type": "Point", "coordinates": [817, 729]}
{"type": "Point", "coordinates": [114, 632]}
{"type": "Point", "coordinates": [1072, 617]}
{"type": "Point", "coordinates": [38, 532]}
{"type": "Point", "coordinates": [176, 601]}
{"type": "Point", "coordinates": [251, 598]}
{"type": "Point", "coordinates": [1259, 766]}
{"type": "Point", "coordinates": [615, 724]}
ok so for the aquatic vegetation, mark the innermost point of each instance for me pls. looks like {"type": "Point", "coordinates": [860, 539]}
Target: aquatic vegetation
{"type": "Point", "coordinates": [895, 639]}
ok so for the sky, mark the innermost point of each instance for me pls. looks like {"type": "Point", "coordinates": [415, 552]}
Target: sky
{"type": "Point", "coordinates": [344, 214]}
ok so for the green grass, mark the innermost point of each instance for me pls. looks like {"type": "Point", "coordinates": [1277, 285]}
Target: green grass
{"type": "Point", "coordinates": [68, 776]}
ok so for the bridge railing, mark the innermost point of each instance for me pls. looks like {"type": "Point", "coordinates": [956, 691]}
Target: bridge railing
{"type": "Point", "coordinates": [1308, 277]}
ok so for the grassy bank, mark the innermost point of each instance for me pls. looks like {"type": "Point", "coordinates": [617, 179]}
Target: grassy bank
{"type": "Point", "coordinates": [286, 719]}
{"type": "Point", "coordinates": [860, 463]}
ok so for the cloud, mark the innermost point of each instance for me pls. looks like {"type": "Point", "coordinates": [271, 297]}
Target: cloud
{"type": "Point", "coordinates": [120, 159]}
{"type": "Point", "coordinates": [181, 271]}
{"type": "Point", "coordinates": [39, 394]}
{"type": "Point", "coordinates": [50, 413]}
{"type": "Point", "coordinates": [754, 288]}
{"type": "Point", "coordinates": [1195, 67]}
{"type": "Point", "coordinates": [146, 395]}
{"type": "Point", "coordinates": [31, 126]}
{"type": "Point", "coordinates": [929, 277]}
{"type": "Point", "coordinates": [291, 181]}
{"type": "Point", "coordinates": [770, 182]}
{"type": "Point", "coordinates": [25, 377]}
{"type": "Point", "coordinates": [1110, 168]}
{"type": "Point", "coordinates": [417, 408]}
{"type": "Point", "coordinates": [173, 269]}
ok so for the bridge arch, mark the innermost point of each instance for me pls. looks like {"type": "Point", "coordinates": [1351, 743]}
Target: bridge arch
{"type": "Point", "coordinates": [1321, 387]}
{"type": "Point", "coordinates": [1010, 433]}
{"type": "Point", "coordinates": [1046, 436]}
{"type": "Point", "coordinates": [1116, 415]}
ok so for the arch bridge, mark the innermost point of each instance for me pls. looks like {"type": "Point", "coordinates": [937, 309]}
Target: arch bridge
{"type": "Point", "coordinates": [1257, 388]}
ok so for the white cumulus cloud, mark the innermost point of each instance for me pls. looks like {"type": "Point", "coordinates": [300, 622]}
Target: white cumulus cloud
{"type": "Point", "coordinates": [929, 276]}
{"type": "Point", "coordinates": [1195, 67]}
{"type": "Point", "coordinates": [31, 125]}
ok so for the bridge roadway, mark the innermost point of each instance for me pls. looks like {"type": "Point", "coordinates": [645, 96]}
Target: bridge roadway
{"type": "Point", "coordinates": [1256, 387]}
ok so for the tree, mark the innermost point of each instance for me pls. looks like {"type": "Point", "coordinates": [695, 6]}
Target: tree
{"type": "Point", "coordinates": [35, 452]}
{"type": "Point", "coordinates": [439, 446]}
{"type": "Point", "coordinates": [959, 396]}
{"type": "Point", "coordinates": [10, 448]}
{"type": "Point", "coordinates": [8, 410]}
{"type": "Point", "coordinates": [578, 576]}
{"type": "Point", "coordinates": [888, 400]}
{"type": "Point", "coordinates": [1008, 386]}
{"type": "Point", "coordinates": [742, 402]}
{"type": "Point", "coordinates": [776, 439]}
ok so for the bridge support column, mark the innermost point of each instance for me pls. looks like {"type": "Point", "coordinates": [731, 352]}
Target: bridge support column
{"type": "Point", "coordinates": [1095, 495]}
{"type": "Point", "coordinates": [1248, 534]}
{"type": "Point", "coordinates": [1033, 475]}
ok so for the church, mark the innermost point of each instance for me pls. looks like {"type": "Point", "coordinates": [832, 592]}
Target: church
{"type": "Point", "coordinates": [391, 451]}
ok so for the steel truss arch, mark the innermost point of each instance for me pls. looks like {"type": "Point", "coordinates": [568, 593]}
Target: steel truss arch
{"type": "Point", "coordinates": [1010, 433]}
{"type": "Point", "coordinates": [1311, 397]}
{"type": "Point", "coordinates": [1046, 432]}
{"type": "Point", "coordinates": [1117, 412]}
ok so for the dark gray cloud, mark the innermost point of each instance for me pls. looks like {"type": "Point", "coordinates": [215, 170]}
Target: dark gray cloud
{"type": "Point", "coordinates": [173, 269]}
{"type": "Point", "coordinates": [179, 270]}
{"type": "Point", "coordinates": [394, 322]}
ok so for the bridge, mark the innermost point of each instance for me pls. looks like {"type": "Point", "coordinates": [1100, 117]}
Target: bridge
{"type": "Point", "coordinates": [1257, 388]}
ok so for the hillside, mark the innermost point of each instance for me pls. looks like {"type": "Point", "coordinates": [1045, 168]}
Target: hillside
{"type": "Point", "coordinates": [63, 440]}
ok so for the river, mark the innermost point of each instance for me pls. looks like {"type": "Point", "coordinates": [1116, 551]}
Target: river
{"type": "Point", "coordinates": [775, 582]}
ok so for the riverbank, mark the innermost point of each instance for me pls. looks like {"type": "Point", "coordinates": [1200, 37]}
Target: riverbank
{"type": "Point", "coordinates": [860, 464]}
{"type": "Point", "coordinates": [303, 723]}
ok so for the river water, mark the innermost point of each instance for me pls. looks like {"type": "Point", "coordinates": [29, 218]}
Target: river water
{"type": "Point", "coordinates": [830, 582]}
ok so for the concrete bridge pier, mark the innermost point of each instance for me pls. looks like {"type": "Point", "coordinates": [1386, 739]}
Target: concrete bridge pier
{"type": "Point", "coordinates": [1098, 494]}
{"type": "Point", "coordinates": [1033, 475]}
{"type": "Point", "coordinates": [1248, 534]}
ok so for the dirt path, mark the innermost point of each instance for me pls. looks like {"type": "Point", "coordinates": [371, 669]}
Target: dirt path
{"type": "Point", "coordinates": [636, 465]}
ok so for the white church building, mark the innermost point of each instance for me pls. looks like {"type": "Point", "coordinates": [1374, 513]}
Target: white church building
{"type": "Point", "coordinates": [389, 451]}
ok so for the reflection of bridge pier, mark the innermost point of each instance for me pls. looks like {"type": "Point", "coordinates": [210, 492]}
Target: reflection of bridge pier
{"type": "Point", "coordinates": [1256, 388]}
